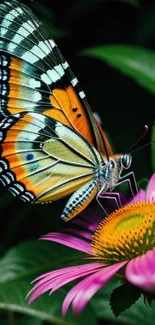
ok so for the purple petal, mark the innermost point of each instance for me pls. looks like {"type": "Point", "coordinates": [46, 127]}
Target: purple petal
{"type": "Point", "coordinates": [88, 219]}
{"type": "Point", "coordinates": [69, 241]}
{"type": "Point", "coordinates": [91, 215]}
{"type": "Point", "coordinates": [79, 232]}
{"type": "Point", "coordinates": [140, 271]}
{"type": "Point", "coordinates": [85, 224]}
{"type": "Point", "coordinates": [59, 278]}
{"type": "Point", "coordinates": [150, 193]}
{"type": "Point", "coordinates": [139, 197]}
{"type": "Point", "coordinates": [85, 289]}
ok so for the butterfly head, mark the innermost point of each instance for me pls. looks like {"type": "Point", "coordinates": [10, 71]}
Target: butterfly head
{"type": "Point", "coordinates": [115, 167]}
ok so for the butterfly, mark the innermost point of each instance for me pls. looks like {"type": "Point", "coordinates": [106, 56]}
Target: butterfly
{"type": "Point", "coordinates": [51, 144]}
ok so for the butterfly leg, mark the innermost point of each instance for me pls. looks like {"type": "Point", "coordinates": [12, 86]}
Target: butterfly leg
{"type": "Point", "coordinates": [114, 197]}
{"type": "Point", "coordinates": [131, 180]}
{"type": "Point", "coordinates": [79, 200]}
{"type": "Point", "coordinates": [99, 195]}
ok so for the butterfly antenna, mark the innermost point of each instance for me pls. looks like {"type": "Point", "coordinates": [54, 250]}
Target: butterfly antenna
{"type": "Point", "coordinates": [145, 145]}
{"type": "Point", "coordinates": [139, 139]}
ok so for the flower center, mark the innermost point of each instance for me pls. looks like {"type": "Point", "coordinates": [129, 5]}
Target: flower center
{"type": "Point", "coordinates": [126, 233]}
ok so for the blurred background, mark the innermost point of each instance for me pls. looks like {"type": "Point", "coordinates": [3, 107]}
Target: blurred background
{"type": "Point", "coordinates": [110, 46]}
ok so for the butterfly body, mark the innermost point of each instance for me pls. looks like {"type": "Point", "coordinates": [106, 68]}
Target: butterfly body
{"type": "Point", "coordinates": [51, 144]}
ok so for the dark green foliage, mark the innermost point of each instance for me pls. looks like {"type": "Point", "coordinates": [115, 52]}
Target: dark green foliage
{"type": "Point", "coordinates": [123, 297]}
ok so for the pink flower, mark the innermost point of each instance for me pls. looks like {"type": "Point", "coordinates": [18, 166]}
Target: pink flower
{"type": "Point", "coordinates": [123, 243]}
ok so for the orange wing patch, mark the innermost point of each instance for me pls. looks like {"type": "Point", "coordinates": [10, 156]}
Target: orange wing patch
{"type": "Point", "coordinates": [75, 115]}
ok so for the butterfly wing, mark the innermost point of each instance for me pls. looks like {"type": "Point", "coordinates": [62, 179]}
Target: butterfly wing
{"type": "Point", "coordinates": [42, 159]}
{"type": "Point", "coordinates": [36, 77]}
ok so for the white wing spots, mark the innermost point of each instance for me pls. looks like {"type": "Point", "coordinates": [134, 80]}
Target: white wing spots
{"type": "Point", "coordinates": [3, 31]}
{"type": "Point", "coordinates": [33, 83]}
{"type": "Point", "coordinates": [13, 191]}
{"type": "Point", "coordinates": [3, 61]}
{"type": "Point", "coordinates": [26, 28]}
{"type": "Point", "coordinates": [74, 82]}
{"type": "Point", "coordinates": [37, 96]}
{"type": "Point", "coordinates": [56, 73]}
{"type": "Point", "coordinates": [54, 76]}
{"type": "Point", "coordinates": [6, 125]}
{"type": "Point", "coordinates": [82, 94]}
{"type": "Point", "coordinates": [30, 132]}
{"type": "Point", "coordinates": [20, 187]}
{"type": "Point", "coordinates": [44, 47]}
{"type": "Point", "coordinates": [17, 115]}
{"type": "Point", "coordinates": [65, 65]}
{"type": "Point", "coordinates": [59, 69]}
{"type": "Point", "coordinates": [29, 57]}
{"type": "Point", "coordinates": [12, 47]}
{"type": "Point", "coordinates": [61, 130]}
{"type": "Point", "coordinates": [46, 79]}
{"type": "Point", "coordinates": [7, 180]}
{"type": "Point", "coordinates": [17, 39]}
{"type": "Point", "coordinates": [3, 89]}
{"type": "Point", "coordinates": [4, 165]}
{"type": "Point", "coordinates": [52, 43]}
{"type": "Point", "coordinates": [3, 75]}
{"type": "Point", "coordinates": [37, 51]}
{"type": "Point", "coordinates": [1, 136]}
{"type": "Point", "coordinates": [9, 18]}
{"type": "Point", "coordinates": [10, 175]}
{"type": "Point", "coordinates": [40, 118]}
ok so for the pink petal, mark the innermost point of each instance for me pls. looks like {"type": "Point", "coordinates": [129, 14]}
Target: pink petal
{"type": "Point", "coordinates": [58, 278]}
{"type": "Point", "coordinates": [150, 193]}
{"type": "Point", "coordinates": [69, 241]}
{"type": "Point", "coordinates": [91, 268]}
{"type": "Point", "coordinates": [140, 271]}
{"type": "Point", "coordinates": [85, 289]}
{"type": "Point", "coordinates": [139, 197]}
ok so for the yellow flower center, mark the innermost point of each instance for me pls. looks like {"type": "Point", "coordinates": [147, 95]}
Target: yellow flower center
{"type": "Point", "coordinates": [126, 233]}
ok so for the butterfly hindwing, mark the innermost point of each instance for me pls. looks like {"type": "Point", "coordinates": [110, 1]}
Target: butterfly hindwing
{"type": "Point", "coordinates": [36, 77]}
{"type": "Point", "coordinates": [42, 159]}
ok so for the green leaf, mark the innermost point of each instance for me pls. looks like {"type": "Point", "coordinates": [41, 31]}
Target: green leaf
{"type": "Point", "coordinates": [138, 314]}
{"type": "Point", "coordinates": [123, 297]}
{"type": "Point", "coordinates": [12, 320]}
{"type": "Point", "coordinates": [33, 257]}
{"type": "Point", "coordinates": [135, 62]}
{"type": "Point", "coordinates": [21, 265]}
{"type": "Point", "coordinates": [142, 183]}
{"type": "Point", "coordinates": [153, 148]}
{"type": "Point", "coordinates": [45, 307]}
{"type": "Point", "coordinates": [28, 321]}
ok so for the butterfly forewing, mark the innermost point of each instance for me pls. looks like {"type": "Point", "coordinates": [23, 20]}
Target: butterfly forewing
{"type": "Point", "coordinates": [46, 157]}
{"type": "Point", "coordinates": [51, 144]}
{"type": "Point", "coordinates": [36, 77]}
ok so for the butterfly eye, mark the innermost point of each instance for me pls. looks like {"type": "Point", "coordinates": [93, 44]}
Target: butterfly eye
{"type": "Point", "coordinates": [126, 161]}
{"type": "Point", "coordinates": [112, 164]}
